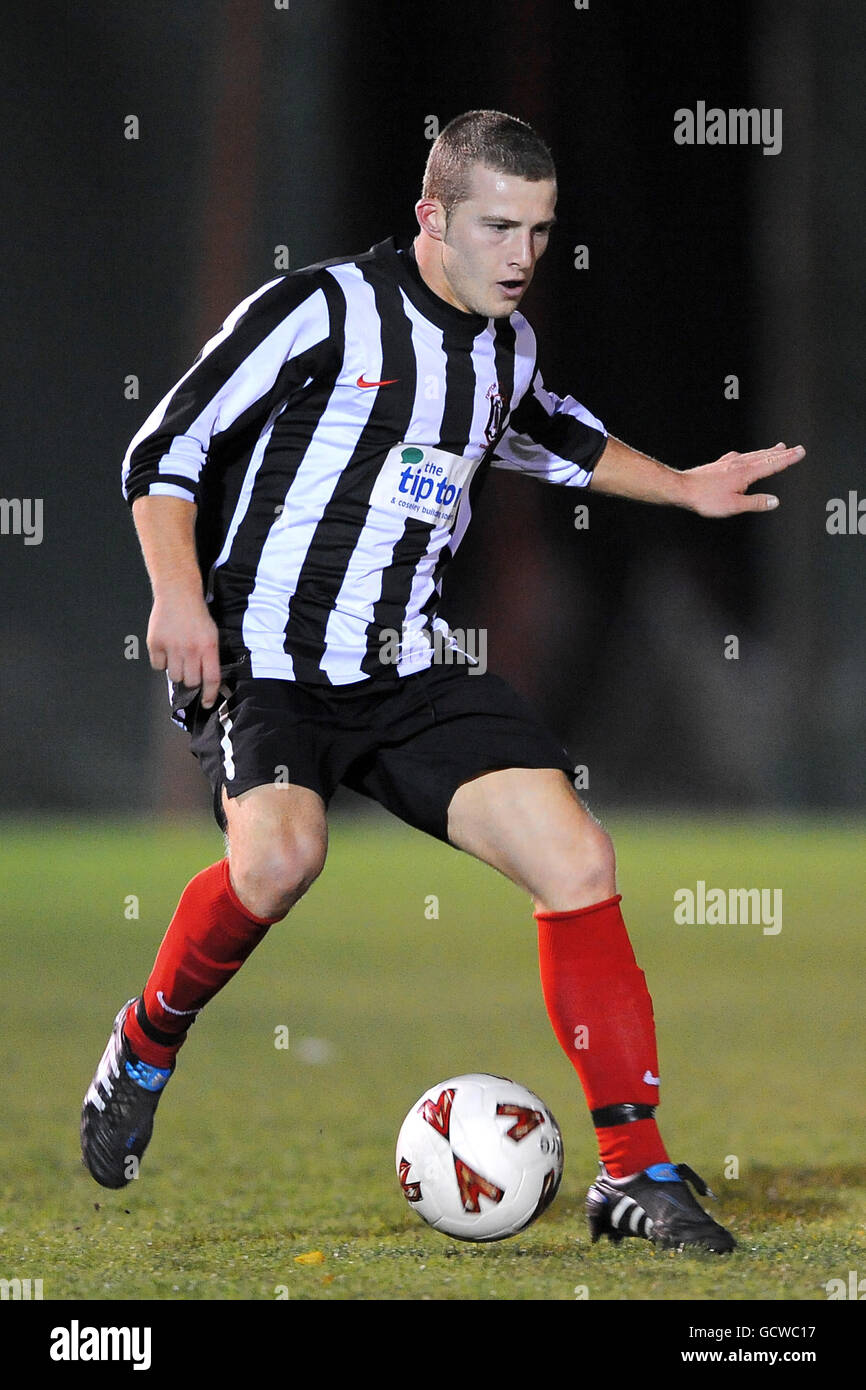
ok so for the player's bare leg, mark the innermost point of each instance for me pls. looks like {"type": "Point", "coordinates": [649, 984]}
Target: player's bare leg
{"type": "Point", "coordinates": [531, 826]}
{"type": "Point", "coordinates": [277, 842]}
{"type": "Point", "coordinates": [277, 838]}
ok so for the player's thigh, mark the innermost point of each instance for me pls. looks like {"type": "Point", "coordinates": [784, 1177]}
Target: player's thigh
{"type": "Point", "coordinates": [277, 838]}
{"type": "Point", "coordinates": [530, 824]}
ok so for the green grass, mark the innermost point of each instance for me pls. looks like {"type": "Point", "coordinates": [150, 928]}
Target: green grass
{"type": "Point", "coordinates": [262, 1154]}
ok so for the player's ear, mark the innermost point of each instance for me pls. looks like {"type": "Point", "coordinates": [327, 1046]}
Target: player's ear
{"type": "Point", "coordinates": [431, 217]}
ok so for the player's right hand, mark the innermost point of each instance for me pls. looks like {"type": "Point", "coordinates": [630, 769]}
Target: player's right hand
{"type": "Point", "coordinates": [718, 489]}
{"type": "Point", "coordinates": [183, 639]}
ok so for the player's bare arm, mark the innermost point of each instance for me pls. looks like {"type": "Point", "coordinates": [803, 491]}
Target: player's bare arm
{"type": "Point", "coordinates": [182, 638]}
{"type": "Point", "coordinates": [716, 489]}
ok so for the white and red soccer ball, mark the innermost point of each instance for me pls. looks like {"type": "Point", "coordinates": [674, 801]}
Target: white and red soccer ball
{"type": "Point", "coordinates": [479, 1157]}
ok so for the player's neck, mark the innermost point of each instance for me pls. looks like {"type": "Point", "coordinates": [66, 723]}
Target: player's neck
{"type": "Point", "coordinates": [428, 258]}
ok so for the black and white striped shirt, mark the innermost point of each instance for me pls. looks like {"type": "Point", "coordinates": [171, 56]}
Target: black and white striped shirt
{"type": "Point", "coordinates": [334, 434]}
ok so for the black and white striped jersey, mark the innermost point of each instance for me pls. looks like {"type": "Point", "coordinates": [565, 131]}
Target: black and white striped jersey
{"type": "Point", "coordinates": [334, 434]}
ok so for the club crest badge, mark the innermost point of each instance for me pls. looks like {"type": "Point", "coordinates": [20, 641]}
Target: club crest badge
{"type": "Point", "coordinates": [499, 404]}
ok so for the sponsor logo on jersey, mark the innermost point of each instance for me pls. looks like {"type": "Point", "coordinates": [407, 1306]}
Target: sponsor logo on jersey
{"type": "Point", "coordinates": [424, 483]}
{"type": "Point", "coordinates": [365, 385]}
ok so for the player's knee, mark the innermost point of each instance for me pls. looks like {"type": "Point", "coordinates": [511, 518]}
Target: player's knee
{"type": "Point", "coordinates": [596, 864]}
{"type": "Point", "coordinates": [586, 874]}
{"type": "Point", "coordinates": [270, 879]}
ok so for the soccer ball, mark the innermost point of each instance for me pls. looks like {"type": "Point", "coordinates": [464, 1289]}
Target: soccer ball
{"type": "Point", "coordinates": [479, 1157]}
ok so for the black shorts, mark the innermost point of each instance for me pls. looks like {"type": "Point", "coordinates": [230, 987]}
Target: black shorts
{"type": "Point", "coordinates": [408, 743]}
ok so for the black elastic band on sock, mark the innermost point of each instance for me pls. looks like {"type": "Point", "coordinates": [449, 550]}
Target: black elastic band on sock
{"type": "Point", "coordinates": [621, 1114]}
{"type": "Point", "coordinates": [147, 1028]}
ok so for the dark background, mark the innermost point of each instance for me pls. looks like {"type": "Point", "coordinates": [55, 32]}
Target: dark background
{"type": "Point", "coordinates": [307, 127]}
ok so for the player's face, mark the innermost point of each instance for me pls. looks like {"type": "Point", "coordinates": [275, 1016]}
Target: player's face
{"type": "Point", "coordinates": [493, 241]}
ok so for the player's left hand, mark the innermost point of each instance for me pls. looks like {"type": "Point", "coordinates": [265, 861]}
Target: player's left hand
{"type": "Point", "coordinates": [719, 488]}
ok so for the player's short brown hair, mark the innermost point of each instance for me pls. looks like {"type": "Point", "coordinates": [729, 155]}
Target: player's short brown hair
{"type": "Point", "coordinates": [492, 138]}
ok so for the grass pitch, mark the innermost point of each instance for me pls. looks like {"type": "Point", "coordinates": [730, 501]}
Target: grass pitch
{"type": "Point", "coordinates": [271, 1173]}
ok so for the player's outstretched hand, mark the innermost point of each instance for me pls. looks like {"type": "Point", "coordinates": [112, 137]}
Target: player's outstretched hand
{"type": "Point", "coordinates": [719, 488]}
{"type": "Point", "coordinates": [182, 639]}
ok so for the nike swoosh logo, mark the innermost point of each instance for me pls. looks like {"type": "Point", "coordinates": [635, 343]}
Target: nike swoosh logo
{"type": "Point", "coordinates": [365, 385]}
{"type": "Point", "coordinates": [161, 997]}
{"type": "Point", "coordinates": [649, 1079]}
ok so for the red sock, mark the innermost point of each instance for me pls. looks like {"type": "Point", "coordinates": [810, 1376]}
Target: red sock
{"type": "Point", "coordinates": [602, 1014]}
{"type": "Point", "coordinates": [209, 938]}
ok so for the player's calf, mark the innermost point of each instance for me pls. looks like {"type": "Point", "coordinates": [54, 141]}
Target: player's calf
{"type": "Point", "coordinates": [208, 939]}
